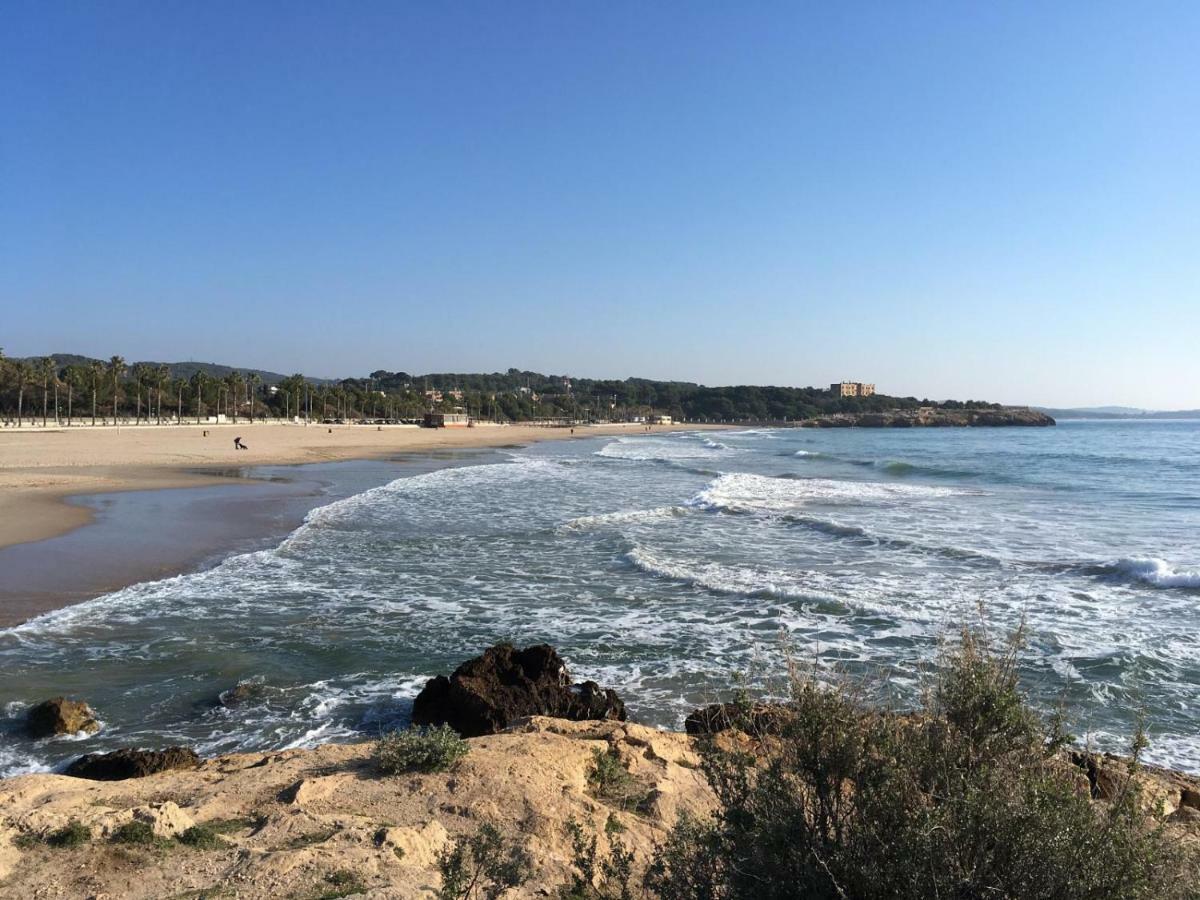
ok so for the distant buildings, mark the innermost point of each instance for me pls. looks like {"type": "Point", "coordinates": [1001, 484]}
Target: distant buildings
{"type": "Point", "coordinates": [852, 389]}
{"type": "Point", "coordinates": [660, 420]}
{"type": "Point", "coordinates": [456, 419]}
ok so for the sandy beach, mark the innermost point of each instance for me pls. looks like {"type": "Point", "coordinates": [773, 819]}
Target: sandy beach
{"type": "Point", "coordinates": [50, 479]}
{"type": "Point", "coordinates": [40, 468]}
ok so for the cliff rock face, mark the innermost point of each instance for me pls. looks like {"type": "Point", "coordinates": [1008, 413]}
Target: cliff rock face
{"type": "Point", "coordinates": [291, 821]}
{"type": "Point", "coordinates": [928, 417]}
{"type": "Point", "coordinates": [488, 693]}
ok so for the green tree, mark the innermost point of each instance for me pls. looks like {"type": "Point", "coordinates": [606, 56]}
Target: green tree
{"type": "Point", "coordinates": [255, 384]}
{"type": "Point", "coordinates": [162, 378]}
{"type": "Point", "coordinates": [49, 373]}
{"type": "Point", "coordinates": [199, 383]}
{"type": "Point", "coordinates": [73, 377]}
{"type": "Point", "coordinates": [96, 370]}
{"type": "Point", "coordinates": [23, 374]}
{"type": "Point", "coordinates": [140, 373]}
{"type": "Point", "coordinates": [116, 371]}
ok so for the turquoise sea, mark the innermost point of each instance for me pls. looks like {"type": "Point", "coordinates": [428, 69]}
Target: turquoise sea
{"type": "Point", "coordinates": [669, 566]}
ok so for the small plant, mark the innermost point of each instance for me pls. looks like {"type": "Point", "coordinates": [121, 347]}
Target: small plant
{"type": "Point", "coordinates": [437, 749]}
{"type": "Point", "coordinates": [611, 782]}
{"type": "Point", "coordinates": [342, 883]}
{"type": "Point", "coordinates": [613, 825]}
{"type": "Point", "coordinates": [482, 865]}
{"type": "Point", "coordinates": [202, 837]}
{"type": "Point", "coordinates": [73, 834]}
{"type": "Point", "coordinates": [138, 834]}
{"type": "Point", "coordinates": [614, 872]}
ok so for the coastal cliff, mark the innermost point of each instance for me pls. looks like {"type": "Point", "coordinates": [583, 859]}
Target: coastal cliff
{"type": "Point", "coordinates": [930, 417]}
{"type": "Point", "coordinates": [326, 822]}
{"type": "Point", "coordinates": [308, 823]}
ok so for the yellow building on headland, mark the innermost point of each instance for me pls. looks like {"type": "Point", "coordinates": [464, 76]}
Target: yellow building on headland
{"type": "Point", "coordinates": [852, 389]}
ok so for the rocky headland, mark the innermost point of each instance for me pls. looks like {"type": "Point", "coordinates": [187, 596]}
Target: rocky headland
{"type": "Point", "coordinates": [929, 417]}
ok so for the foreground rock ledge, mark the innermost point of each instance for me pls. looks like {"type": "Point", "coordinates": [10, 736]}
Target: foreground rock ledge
{"type": "Point", "coordinates": [309, 813]}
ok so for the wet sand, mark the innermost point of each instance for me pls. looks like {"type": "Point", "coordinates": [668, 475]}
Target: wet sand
{"type": "Point", "coordinates": [136, 536]}
{"type": "Point", "coordinates": [163, 500]}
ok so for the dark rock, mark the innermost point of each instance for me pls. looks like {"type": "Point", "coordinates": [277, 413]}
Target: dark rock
{"type": "Point", "coordinates": [122, 764]}
{"type": "Point", "coordinates": [752, 718]}
{"type": "Point", "coordinates": [60, 716]}
{"type": "Point", "coordinates": [241, 693]}
{"type": "Point", "coordinates": [487, 694]}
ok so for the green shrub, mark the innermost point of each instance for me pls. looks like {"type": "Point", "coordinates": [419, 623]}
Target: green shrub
{"type": "Point", "coordinates": [597, 877]}
{"type": "Point", "coordinates": [436, 749]}
{"type": "Point", "coordinates": [202, 837]}
{"type": "Point", "coordinates": [73, 834]}
{"type": "Point", "coordinates": [342, 883]}
{"type": "Point", "coordinates": [964, 799]}
{"type": "Point", "coordinates": [482, 865]}
{"type": "Point", "coordinates": [138, 834]}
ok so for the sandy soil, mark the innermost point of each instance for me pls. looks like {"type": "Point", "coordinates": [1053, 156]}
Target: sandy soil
{"type": "Point", "coordinates": [39, 468]}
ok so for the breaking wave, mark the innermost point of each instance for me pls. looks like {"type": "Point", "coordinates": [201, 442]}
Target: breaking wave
{"type": "Point", "coordinates": [1152, 571]}
{"type": "Point", "coordinates": [743, 492]}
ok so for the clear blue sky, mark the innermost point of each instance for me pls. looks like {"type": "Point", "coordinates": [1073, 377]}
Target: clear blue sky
{"type": "Point", "coordinates": [997, 200]}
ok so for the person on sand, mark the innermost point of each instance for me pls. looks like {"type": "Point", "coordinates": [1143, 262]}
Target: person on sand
{"type": "Point", "coordinates": [238, 445]}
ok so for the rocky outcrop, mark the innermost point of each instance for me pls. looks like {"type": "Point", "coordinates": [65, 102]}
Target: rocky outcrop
{"type": "Point", "coordinates": [60, 716]}
{"type": "Point", "coordinates": [487, 694]}
{"type": "Point", "coordinates": [390, 831]}
{"type": "Point", "coordinates": [931, 417]}
{"type": "Point", "coordinates": [122, 764]}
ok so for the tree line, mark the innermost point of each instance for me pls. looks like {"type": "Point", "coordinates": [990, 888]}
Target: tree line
{"type": "Point", "coordinates": [92, 391]}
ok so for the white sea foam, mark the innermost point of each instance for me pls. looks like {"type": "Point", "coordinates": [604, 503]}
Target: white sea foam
{"type": "Point", "coordinates": [662, 449]}
{"type": "Point", "coordinates": [745, 492]}
{"type": "Point", "coordinates": [623, 517]}
{"type": "Point", "coordinates": [1157, 572]}
{"type": "Point", "coordinates": [722, 578]}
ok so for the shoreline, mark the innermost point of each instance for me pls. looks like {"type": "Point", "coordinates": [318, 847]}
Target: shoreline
{"type": "Point", "coordinates": [55, 482]}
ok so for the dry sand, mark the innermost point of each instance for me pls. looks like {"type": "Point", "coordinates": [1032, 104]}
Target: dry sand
{"type": "Point", "coordinates": [40, 468]}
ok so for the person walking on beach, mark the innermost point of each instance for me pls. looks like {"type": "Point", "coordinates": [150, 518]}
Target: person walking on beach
{"type": "Point", "coordinates": [238, 445]}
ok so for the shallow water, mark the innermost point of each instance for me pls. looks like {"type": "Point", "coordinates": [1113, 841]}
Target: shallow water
{"type": "Point", "coordinates": [664, 565]}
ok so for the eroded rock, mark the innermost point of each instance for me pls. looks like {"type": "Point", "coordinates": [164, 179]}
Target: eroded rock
{"type": "Point", "coordinates": [488, 693]}
{"type": "Point", "coordinates": [121, 764]}
{"type": "Point", "coordinates": [60, 716]}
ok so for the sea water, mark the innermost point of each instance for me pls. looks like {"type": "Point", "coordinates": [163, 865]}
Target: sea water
{"type": "Point", "coordinates": [670, 567]}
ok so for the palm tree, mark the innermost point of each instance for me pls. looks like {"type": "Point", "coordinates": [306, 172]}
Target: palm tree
{"type": "Point", "coordinates": [46, 369]}
{"type": "Point", "coordinates": [72, 376]}
{"type": "Point", "coordinates": [199, 382]}
{"type": "Point", "coordinates": [232, 382]}
{"type": "Point", "coordinates": [180, 384]}
{"type": "Point", "coordinates": [116, 369]}
{"type": "Point", "coordinates": [140, 371]}
{"type": "Point", "coordinates": [162, 376]}
{"type": "Point", "coordinates": [95, 369]}
{"type": "Point", "coordinates": [24, 375]}
{"type": "Point", "coordinates": [255, 383]}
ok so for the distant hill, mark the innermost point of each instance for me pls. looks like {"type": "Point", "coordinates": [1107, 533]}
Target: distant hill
{"type": "Point", "coordinates": [182, 369]}
{"type": "Point", "coordinates": [1118, 412]}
